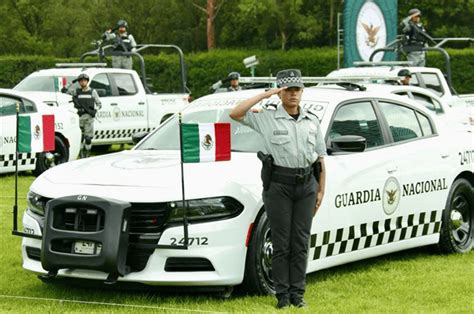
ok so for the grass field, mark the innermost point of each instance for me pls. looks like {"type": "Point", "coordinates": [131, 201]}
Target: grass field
{"type": "Point", "coordinates": [412, 281]}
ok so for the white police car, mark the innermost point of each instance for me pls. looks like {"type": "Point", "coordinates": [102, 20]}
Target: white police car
{"type": "Point", "coordinates": [126, 109]}
{"type": "Point", "coordinates": [67, 134]}
{"type": "Point", "coordinates": [393, 182]}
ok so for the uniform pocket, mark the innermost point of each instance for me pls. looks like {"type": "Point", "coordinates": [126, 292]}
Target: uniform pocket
{"type": "Point", "coordinates": [281, 145]}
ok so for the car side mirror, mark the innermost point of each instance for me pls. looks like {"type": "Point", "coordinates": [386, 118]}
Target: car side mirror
{"type": "Point", "coordinates": [138, 136]}
{"type": "Point", "coordinates": [348, 143]}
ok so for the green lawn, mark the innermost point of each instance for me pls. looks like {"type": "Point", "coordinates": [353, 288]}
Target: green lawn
{"type": "Point", "coordinates": [412, 281]}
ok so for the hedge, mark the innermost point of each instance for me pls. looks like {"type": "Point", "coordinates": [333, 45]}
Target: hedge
{"type": "Point", "coordinates": [203, 69]}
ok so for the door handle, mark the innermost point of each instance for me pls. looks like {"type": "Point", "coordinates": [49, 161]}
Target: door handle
{"type": "Point", "coordinates": [141, 103]}
{"type": "Point", "coordinates": [392, 169]}
{"type": "Point", "coordinates": [114, 104]}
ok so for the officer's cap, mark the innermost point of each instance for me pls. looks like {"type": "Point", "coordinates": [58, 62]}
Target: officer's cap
{"type": "Point", "coordinates": [404, 72]}
{"type": "Point", "coordinates": [289, 78]}
{"type": "Point", "coordinates": [233, 76]}
{"type": "Point", "coordinates": [81, 76]}
{"type": "Point", "coordinates": [122, 23]}
{"type": "Point", "coordinates": [414, 11]}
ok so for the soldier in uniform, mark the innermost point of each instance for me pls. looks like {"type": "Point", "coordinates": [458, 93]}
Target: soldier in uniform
{"type": "Point", "coordinates": [233, 79]}
{"type": "Point", "coordinates": [85, 101]}
{"type": "Point", "coordinates": [123, 42]}
{"type": "Point", "coordinates": [293, 137]}
{"type": "Point", "coordinates": [406, 77]}
{"type": "Point", "coordinates": [416, 37]}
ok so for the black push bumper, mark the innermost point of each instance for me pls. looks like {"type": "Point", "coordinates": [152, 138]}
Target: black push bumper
{"type": "Point", "coordinates": [86, 232]}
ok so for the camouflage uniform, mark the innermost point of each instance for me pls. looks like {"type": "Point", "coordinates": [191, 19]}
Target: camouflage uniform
{"type": "Point", "coordinates": [85, 101]}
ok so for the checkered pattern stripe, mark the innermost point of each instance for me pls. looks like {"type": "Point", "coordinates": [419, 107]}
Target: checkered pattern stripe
{"type": "Point", "coordinates": [366, 235]}
{"type": "Point", "coordinates": [23, 159]}
{"type": "Point", "coordinates": [289, 79]}
{"type": "Point", "coordinates": [107, 134]}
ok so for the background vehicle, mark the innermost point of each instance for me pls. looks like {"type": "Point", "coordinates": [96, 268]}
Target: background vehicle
{"type": "Point", "coordinates": [67, 134]}
{"type": "Point", "coordinates": [394, 182]}
{"type": "Point", "coordinates": [126, 106]}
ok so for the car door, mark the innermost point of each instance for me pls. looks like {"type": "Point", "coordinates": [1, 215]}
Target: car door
{"type": "Point", "coordinates": [353, 213]}
{"type": "Point", "coordinates": [130, 108]}
{"type": "Point", "coordinates": [422, 165]}
{"type": "Point", "coordinates": [8, 134]}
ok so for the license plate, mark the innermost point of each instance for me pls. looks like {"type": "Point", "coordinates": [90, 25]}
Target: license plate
{"type": "Point", "coordinates": [87, 247]}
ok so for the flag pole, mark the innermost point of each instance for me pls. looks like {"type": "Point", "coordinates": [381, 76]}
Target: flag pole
{"type": "Point", "coordinates": [15, 206]}
{"type": "Point", "coordinates": [185, 204]}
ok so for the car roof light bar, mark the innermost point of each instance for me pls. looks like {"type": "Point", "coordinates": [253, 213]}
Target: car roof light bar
{"type": "Point", "coordinates": [81, 65]}
{"type": "Point", "coordinates": [383, 63]}
{"type": "Point", "coordinates": [323, 80]}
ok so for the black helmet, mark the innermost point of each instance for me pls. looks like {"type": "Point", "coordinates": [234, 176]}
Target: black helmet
{"type": "Point", "coordinates": [82, 76]}
{"type": "Point", "coordinates": [414, 11]}
{"type": "Point", "coordinates": [122, 23]}
{"type": "Point", "coordinates": [233, 76]}
{"type": "Point", "coordinates": [404, 72]}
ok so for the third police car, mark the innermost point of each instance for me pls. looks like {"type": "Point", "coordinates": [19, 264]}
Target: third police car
{"type": "Point", "coordinates": [394, 181]}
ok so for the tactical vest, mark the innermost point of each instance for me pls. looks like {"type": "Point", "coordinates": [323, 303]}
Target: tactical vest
{"type": "Point", "coordinates": [415, 37]}
{"type": "Point", "coordinates": [123, 43]}
{"type": "Point", "coordinates": [85, 101]}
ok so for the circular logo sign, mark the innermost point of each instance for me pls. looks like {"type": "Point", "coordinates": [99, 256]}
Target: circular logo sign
{"type": "Point", "coordinates": [391, 195]}
{"type": "Point", "coordinates": [116, 114]}
{"type": "Point", "coordinates": [371, 32]}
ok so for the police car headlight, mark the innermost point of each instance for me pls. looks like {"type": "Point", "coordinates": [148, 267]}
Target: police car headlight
{"type": "Point", "coordinates": [206, 209]}
{"type": "Point", "coordinates": [36, 203]}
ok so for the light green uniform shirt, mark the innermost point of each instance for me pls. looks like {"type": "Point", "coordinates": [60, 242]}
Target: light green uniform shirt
{"type": "Point", "coordinates": [293, 144]}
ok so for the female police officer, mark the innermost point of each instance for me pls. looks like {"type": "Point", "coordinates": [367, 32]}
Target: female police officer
{"type": "Point", "coordinates": [292, 135]}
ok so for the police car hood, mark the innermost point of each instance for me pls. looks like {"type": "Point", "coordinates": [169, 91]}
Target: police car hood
{"type": "Point", "coordinates": [139, 170]}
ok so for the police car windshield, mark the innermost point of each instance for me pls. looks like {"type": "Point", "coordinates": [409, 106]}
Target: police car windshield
{"type": "Point", "coordinates": [43, 83]}
{"type": "Point", "coordinates": [243, 138]}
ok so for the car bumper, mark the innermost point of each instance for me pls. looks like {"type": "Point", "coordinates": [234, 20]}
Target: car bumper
{"type": "Point", "coordinates": [226, 254]}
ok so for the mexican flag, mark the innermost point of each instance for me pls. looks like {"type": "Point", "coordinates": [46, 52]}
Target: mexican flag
{"type": "Point", "coordinates": [36, 133]}
{"type": "Point", "coordinates": [205, 142]}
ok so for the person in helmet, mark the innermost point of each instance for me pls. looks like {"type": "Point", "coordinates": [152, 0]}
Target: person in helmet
{"type": "Point", "coordinates": [416, 37]}
{"type": "Point", "coordinates": [123, 42]}
{"type": "Point", "coordinates": [405, 73]}
{"type": "Point", "coordinates": [87, 102]}
{"type": "Point", "coordinates": [233, 79]}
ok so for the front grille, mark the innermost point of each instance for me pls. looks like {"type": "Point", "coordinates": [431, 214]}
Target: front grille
{"type": "Point", "coordinates": [148, 217]}
{"type": "Point", "coordinates": [188, 264]}
{"type": "Point", "coordinates": [147, 222]}
{"type": "Point", "coordinates": [33, 253]}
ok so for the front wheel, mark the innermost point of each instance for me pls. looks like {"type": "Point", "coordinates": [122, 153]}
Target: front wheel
{"type": "Point", "coordinates": [457, 231]}
{"type": "Point", "coordinates": [258, 265]}
{"type": "Point", "coordinates": [48, 160]}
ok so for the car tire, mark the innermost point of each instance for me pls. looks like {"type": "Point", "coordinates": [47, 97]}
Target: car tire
{"type": "Point", "coordinates": [60, 155]}
{"type": "Point", "coordinates": [257, 278]}
{"type": "Point", "coordinates": [457, 230]}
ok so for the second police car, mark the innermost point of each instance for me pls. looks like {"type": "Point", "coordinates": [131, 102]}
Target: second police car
{"type": "Point", "coordinates": [67, 133]}
{"type": "Point", "coordinates": [394, 181]}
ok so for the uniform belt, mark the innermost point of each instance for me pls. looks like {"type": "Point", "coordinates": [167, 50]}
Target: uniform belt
{"type": "Point", "coordinates": [291, 175]}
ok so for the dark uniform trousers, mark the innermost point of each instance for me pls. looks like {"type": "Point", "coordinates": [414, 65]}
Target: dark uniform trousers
{"type": "Point", "coordinates": [289, 209]}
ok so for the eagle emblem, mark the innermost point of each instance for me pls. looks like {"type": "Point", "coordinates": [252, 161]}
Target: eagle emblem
{"type": "Point", "coordinates": [36, 135]}
{"type": "Point", "coordinates": [207, 142]}
{"type": "Point", "coordinates": [372, 38]}
{"type": "Point", "coordinates": [391, 196]}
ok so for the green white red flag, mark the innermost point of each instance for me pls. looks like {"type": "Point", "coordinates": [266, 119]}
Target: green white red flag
{"type": "Point", "coordinates": [35, 133]}
{"type": "Point", "coordinates": [205, 142]}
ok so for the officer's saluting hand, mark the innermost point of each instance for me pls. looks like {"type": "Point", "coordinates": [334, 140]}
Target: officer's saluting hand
{"type": "Point", "coordinates": [293, 137]}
